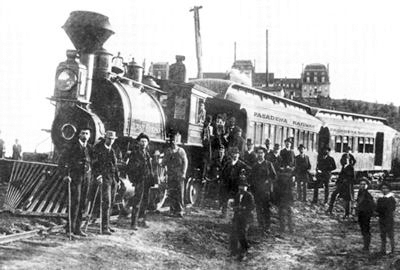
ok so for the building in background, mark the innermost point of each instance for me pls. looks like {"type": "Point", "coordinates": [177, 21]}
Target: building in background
{"type": "Point", "coordinates": [315, 81]}
{"type": "Point", "coordinates": [159, 70]}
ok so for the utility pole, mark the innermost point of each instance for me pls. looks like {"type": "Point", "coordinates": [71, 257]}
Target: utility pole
{"type": "Point", "coordinates": [195, 10]}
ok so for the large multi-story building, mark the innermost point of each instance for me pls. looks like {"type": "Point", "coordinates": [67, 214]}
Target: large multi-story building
{"type": "Point", "coordinates": [315, 81]}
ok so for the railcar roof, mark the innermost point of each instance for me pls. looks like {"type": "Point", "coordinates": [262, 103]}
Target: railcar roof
{"type": "Point", "coordinates": [354, 115]}
{"type": "Point", "coordinates": [221, 87]}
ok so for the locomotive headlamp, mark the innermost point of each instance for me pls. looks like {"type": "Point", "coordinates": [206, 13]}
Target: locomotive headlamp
{"type": "Point", "coordinates": [66, 79]}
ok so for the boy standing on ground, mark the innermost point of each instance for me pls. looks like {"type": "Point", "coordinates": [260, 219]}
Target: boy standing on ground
{"type": "Point", "coordinates": [365, 209]}
{"type": "Point", "coordinates": [243, 207]}
{"type": "Point", "coordinates": [385, 207]}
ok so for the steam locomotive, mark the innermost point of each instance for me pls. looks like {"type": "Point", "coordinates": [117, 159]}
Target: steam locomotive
{"type": "Point", "coordinates": [89, 93]}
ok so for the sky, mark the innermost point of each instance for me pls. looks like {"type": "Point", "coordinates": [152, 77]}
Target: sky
{"type": "Point", "coordinates": [358, 39]}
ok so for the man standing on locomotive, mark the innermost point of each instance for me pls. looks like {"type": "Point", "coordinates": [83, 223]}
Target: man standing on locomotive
{"type": "Point", "coordinates": [106, 173]}
{"type": "Point", "coordinates": [237, 141]}
{"type": "Point", "coordinates": [230, 179]}
{"type": "Point", "coordinates": [140, 173]}
{"type": "Point", "coordinates": [176, 162]}
{"type": "Point", "coordinates": [261, 179]}
{"type": "Point", "coordinates": [325, 165]}
{"type": "Point", "coordinates": [301, 172]}
{"type": "Point", "coordinates": [76, 165]}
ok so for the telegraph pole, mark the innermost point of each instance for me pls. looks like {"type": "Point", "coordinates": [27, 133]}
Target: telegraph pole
{"type": "Point", "coordinates": [195, 10]}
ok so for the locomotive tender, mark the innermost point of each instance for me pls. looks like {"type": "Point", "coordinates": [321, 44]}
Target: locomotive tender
{"type": "Point", "coordinates": [88, 93]}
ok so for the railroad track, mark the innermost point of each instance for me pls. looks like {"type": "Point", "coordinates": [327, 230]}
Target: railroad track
{"type": "Point", "coordinates": [29, 234]}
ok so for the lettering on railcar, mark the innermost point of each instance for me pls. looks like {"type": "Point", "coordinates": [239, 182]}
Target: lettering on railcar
{"type": "Point", "coordinates": [152, 129]}
{"type": "Point", "coordinates": [341, 131]}
{"type": "Point", "coordinates": [283, 120]}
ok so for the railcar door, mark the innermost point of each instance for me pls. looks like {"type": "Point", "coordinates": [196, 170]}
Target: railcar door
{"type": "Point", "coordinates": [379, 148]}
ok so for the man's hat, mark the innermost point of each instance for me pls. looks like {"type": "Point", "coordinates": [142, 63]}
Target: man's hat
{"type": "Point", "coordinates": [143, 136]}
{"type": "Point", "coordinates": [385, 184]}
{"type": "Point", "coordinates": [248, 142]}
{"type": "Point", "coordinates": [288, 140]}
{"type": "Point", "coordinates": [327, 148]}
{"type": "Point", "coordinates": [110, 134]}
{"type": "Point", "coordinates": [261, 148]}
{"type": "Point", "coordinates": [235, 150]}
{"type": "Point", "coordinates": [85, 127]}
{"type": "Point", "coordinates": [180, 57]}
{"type": "Point", "coordinates": [267, 141]}
{"type": "Point", "coordinates": [365, 179]}
{"type": "Point", "coordinates": [301, 146]}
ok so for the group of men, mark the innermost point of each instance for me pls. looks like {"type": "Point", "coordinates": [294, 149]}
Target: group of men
{"type": "Point", "coordinates": [93, 178]}
{"type": "Point", "coordinates": [269, 175]}
{"type": "Point", "coordinates": [16, 149]}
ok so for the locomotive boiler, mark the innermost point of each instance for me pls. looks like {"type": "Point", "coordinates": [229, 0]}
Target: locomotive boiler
{"type": "Point", "coordinates": [88, 94]}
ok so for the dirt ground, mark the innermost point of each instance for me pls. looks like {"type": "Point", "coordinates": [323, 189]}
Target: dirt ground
{"type": "Point", "coordinates": [200, 241]}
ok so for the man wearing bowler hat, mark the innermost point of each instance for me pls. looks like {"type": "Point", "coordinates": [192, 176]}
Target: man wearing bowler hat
{"type": "Point", "coordinates": [325, 165]}
{"type": "Point", "coordinates": [140, 172]}
{"type": "Point", "coordinates": [76, 166]}
{"type": "Point", "coordinates": [105, 171]}
{"type": "Point", "coordinates": [243, 206]}
{"type": "Point", "coordinates": [301, 172]}
{"type": "Point", "coordinates": [230, 179]}
{"type": "Point", "coordinates": [176, 162]}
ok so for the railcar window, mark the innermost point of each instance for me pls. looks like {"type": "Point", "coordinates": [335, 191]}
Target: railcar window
{"type": "Point", "coordinates": [267, 131]}
{"type": "Point", "coordinates": [284, 133]}
{"type": "Point", "coordinates": [262, 127]}
{"type": "Point", "coordinates": [351, 143]}
{"type": "Point", "coordinates": [372, 145]}
{"type": "Point", "coordinates": [338, 144]}
{"type": "Point", "coordinates": [312, 135]}
{"type": "Point", "coordinates": [369, 145]}
{"type": "Point", "coordinates": [345, 143]}
{"type": "Point", "coordinates": [360, 145]}
{"type": "Point", "coordinates": [306, 139]}
{"type": "Point", "coordinates": [298, 136]}
{"type": "Point", "coordinates": [316, 141]}
{"type": "Point", "coordinates": [257, 134]}
{"type": "Point", "coordinates": [273, 134]}
{"type": "Point", "coordinates": [254, 132]}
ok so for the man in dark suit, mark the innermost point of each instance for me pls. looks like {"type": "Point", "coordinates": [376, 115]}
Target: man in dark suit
{"type": "Point", "coordinates": [262, 177]}
{"type": "Point", "coordinates": [347, 158]}
{"type": "Point", "coordinates": [230, 179]}
{"type": "Point", "coordinates": [301, 172]}
{"type": "Point", "coordinates": [17, 150]}
{"type": "Point", "coordinates": [140, 173]}
{"type": "Point", "coordinates": [217, 163]}
{"type": "Point", "coordinates": [76, 165]}
{"type": "Point", "coordinates": [325, 165]}
{"type": "Point", "coordinates": [249, 156]}
{"type": "Point", "coordinates": [274, 157]}
{"type": "Point", "coordinates": [106, 173]}
{"type": "Point", "coordinates": [287, 155]}
{"type": "Point", "coordinates": [243, 206]}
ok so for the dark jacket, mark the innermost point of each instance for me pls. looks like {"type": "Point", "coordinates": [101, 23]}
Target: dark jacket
{"type": "Point", "coordinates": [302, 165]}
{"type": "Point", "coordinates": [385, 207]}
{"type": "Point", "coordinates": [345, 156]}
{"type": "Point", "coordinates": [326, 166]}
{"type": "Point", "coordinates": [287, 157]}
{"type": "Point", "coordinates": [283, 188]}
{"type": "Point", "coordinates": [76, 161]}
{"type": "Point", "coordinates": [249, 158]}
{"type": "Point", "coordinates": [275, 160]}
{"type": "Point", "coordinates": [105, 163]}
{"type": "Point", "coordinates": [261, 178]}
{"type": "Point", "coordinates": [365, 203]}
{"type": "Point", "coordinates": [243, 208]}
{"type": "Point", "coordinates": [140, 167]}
{"type": "Point", "coordinates": [216, 166]}
{"type": "Point", "coordinates": [230, 175]}
{"type": "Point", "coordinates": [239, 142]}
{"type": "Point", "coordinates": [17, 149]}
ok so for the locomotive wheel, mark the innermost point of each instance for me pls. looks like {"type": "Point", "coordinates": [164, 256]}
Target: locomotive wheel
{"type": "Point", "coordinates": [193, 191]}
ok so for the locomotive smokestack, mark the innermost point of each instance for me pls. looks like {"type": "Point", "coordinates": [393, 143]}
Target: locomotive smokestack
{"type": "Point", "coordinates": [88, 31]}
